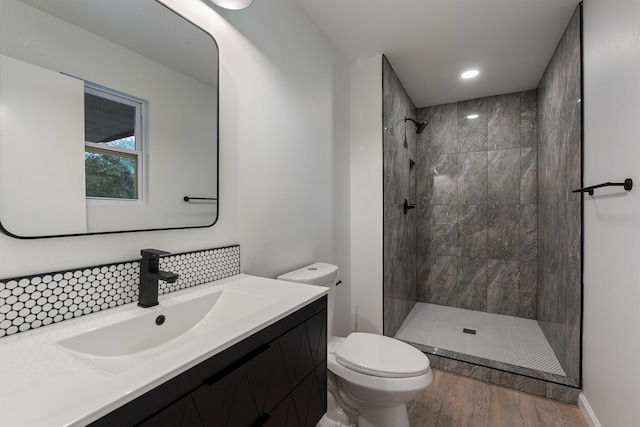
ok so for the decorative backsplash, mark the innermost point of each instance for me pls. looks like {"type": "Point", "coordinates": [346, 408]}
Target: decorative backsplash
{"type": "Point", "coordinates": [33, 301]}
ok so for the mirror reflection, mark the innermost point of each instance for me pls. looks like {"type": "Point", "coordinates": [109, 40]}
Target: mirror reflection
{"type": "Point", "coordinates": [108, 118]}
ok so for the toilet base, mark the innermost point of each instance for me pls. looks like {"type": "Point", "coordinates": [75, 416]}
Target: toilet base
{"type": "Point", "coordinates": [366, 415]}
{"type": "Point", "coordinates": [376, 416]}
{"type": "Point", "coordinates": [370, 417]}
{"type": "Point", "coordinates": [325, 421]}
{"type": "Point", "coordinates": [336, 415]}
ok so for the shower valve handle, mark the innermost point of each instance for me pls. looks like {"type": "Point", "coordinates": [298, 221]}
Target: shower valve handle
{"type": "Point", "coordinates": [406, 206]}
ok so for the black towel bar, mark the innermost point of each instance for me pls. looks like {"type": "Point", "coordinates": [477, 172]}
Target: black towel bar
{"type": "Point", "coordinates": [627, 184]}
{"type": "Point", "coordinates": [187, 198]}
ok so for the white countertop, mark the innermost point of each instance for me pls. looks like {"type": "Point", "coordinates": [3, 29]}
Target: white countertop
{"type": "Point", "coordinates": [41, 384]}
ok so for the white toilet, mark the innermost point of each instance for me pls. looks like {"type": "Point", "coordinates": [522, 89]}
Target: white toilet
{"type": "Point", "coordinates": [370, 377]}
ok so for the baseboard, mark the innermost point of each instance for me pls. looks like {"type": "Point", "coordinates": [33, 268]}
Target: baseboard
{"type": "Point", "coordinates": [584, 406]}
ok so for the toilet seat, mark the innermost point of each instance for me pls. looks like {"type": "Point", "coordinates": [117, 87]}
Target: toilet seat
{"type": "Point", "coordinates": [380, 356]}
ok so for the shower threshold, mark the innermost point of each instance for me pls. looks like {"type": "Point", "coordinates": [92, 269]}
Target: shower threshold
{"type": "Point", "coordinates": [497, 341]}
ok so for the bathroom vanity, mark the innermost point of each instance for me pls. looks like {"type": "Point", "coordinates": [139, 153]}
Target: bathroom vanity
{"type": "Point", "coordinates": [275, 377]}
{"type": "Point", "coordinates": [238, 351]}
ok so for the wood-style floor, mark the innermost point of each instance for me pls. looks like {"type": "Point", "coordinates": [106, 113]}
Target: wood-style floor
{"type": "Point", "coordinates": [456, 401]}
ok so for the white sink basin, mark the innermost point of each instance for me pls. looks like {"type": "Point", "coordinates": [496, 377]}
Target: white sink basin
{"type": "Point", "coordinates": [142, 333]}
{"type": "Point", "coordinates": [119, 346]}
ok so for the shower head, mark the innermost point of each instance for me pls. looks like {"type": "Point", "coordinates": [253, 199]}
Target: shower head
{"type": "Point", "coordinates": [419, 126]}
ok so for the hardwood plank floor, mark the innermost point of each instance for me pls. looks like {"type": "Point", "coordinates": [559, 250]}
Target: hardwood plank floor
{"type": "Point", "coordinates": [457, 401]}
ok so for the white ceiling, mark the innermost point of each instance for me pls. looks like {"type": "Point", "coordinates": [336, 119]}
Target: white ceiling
{"type": "Point", "coordinates": [430, 43]}
{"type": "Point", "coordinates": [142, 26]}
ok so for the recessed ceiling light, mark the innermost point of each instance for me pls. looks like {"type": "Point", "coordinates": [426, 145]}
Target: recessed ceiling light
{"type": "Point", "coordinates": [472, 116]}
{"type": "Point", "coordinates": [232, 4]}
{"type": "Point", "coordinates": [469, 74]}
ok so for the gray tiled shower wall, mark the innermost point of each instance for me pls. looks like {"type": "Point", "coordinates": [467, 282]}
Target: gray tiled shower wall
{"type": "Point", "coordinates": [399, 235]}
{"type": "Point", "coordinates": [560, 215]}
{"type": "Point", "coordinates": [477, 205]}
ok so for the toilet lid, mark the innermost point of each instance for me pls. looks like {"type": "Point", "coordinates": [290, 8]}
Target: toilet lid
{"type": "Point", "coordinates": [381, 356]}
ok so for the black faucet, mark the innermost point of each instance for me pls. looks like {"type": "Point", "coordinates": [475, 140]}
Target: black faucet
{"type": "Point", "coordinates": [149, 276]}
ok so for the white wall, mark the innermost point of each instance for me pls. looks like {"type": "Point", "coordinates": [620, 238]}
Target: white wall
{"type": "Point", "coordinates": [284, 155]}
{"type": "Point", "coordinates": [49, 199]}
{"type": "Point", "coordinates": [289, 114]}
{"type": "Point", "coordinates": [366, 194]}
{"type": "Point", "coordinates": [612, 224]}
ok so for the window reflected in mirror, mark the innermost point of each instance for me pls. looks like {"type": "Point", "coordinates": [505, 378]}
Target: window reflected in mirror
{"type": "Point", "coordinates": [114, 144]}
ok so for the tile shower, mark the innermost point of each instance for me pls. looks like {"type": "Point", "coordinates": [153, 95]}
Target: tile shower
{"type": "Point", "coordinates": [399, 183]}
{"type": "Point", "coordinates": [495, 240]}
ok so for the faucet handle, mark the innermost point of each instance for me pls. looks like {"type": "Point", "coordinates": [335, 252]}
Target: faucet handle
{"type": "Point", "coordinates": [153, 253]}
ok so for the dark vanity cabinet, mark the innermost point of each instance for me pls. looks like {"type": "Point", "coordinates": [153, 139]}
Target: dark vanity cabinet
{"type": "Point", "coordinates": [277, 377]}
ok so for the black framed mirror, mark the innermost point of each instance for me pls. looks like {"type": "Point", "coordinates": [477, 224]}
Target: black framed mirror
{"type": "Point", "coordinates": [109, 118]}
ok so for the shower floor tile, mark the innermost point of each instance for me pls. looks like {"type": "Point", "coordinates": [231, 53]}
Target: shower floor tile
{"type": "Point", "coordinates": [498, 337]}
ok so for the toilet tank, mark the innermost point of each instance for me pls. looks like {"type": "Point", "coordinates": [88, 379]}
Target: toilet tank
{"type": "Point", "coordinates": [318, 274]}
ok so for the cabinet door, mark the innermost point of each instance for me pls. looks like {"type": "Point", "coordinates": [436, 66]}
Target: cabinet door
{"type": "Point", "coordinates": [180, 414]}
{"type": "Point", "coordinates": [304, 350]}
{"type": "Point", "coordinates": [284, 415]}
{"type": "Point", "coordinates": [227, 402]}
{"type": "Point", "coordinates": [246, 392]}
{"type": "Point", "coordinates": [310, 397]}
{"type": "Point", "coordinates": [285, 379]}
{"type": "Point", "coordinates": [267, 376]}
{"type": "Point", "coordinates": [304, 347]}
